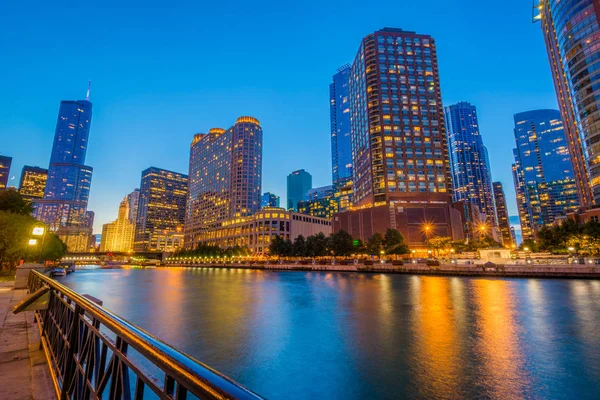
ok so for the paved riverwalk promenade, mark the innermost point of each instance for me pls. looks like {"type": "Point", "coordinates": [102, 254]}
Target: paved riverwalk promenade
{"type": "Point", "coordinates": [24, 370]}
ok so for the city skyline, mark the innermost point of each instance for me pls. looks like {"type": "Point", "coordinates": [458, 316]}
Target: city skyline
{"type": "Point", "coordinates": [139, 101]}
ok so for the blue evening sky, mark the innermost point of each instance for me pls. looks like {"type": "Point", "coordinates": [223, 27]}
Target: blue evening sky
{"type": "Point", "coordinates": [164, 70]}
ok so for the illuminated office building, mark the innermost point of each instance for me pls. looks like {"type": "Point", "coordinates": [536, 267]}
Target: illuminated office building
{"type": "Point", "coordinates": [33, 182]}
{"type": "Point", "coordinates": [502, 213]}
{"type": "Point", "coordinates": [117, 236]}
{"type": "Point", "coordinates": [469, 164]}
{"type": "Point", "coordinates": [400, 157]}
{"type": "Point", "coordinates": [269, 200]}
{"type": "Point", "coordinates": [542, 172]}
{"type": "Point", "coordinates": [225, 177]}
{"type": "Point", "coordinates": [319, 207]}
{"type": "Point", "coordinates": [65, 201]}
{"type": "Point", "coordinates": [298, 184]}
{"type": "Point", "coordinates": [5, 163]}
{"type": "Point", "coordinates": [161, 211]}
{"type": "Point", "coordinates": [256, 231]}
{"type": "Point", "coordinates": [341, 146]}
{"type": "Point", "coordinates": [572, 35]}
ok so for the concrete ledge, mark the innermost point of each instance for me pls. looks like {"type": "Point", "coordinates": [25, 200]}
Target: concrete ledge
{"type": "Point", "coordinates": [23, 274]}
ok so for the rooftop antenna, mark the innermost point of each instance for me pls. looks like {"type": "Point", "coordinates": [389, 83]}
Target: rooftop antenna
{"type": "Point", "coordinates": [87, 96]}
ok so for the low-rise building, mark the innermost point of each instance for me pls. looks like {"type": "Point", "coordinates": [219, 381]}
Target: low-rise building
{"type": "Point", "coordinates": [256, 231]}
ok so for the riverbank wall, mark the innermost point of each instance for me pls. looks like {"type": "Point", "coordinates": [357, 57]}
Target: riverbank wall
{"type": "Point", "coordinates": [591, 271]}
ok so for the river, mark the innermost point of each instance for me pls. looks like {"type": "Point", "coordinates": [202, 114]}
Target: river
{"type": "Point", "coordinates": [312, 335]}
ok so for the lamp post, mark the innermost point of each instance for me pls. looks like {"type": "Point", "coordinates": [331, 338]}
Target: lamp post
{"type": "Point", "coordinates": [38, 231]}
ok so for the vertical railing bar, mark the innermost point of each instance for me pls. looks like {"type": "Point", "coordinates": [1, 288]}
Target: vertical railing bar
{"type": "Point", "coordinates": [69, 360]}
{"type": "Point", "coordinates": [139, 389]}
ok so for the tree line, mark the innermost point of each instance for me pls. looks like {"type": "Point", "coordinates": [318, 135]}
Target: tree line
{"type": "Point", "coordinates": [207, 250]}
{"type": "Point", "coordinates": [583, 238]}
{"type": "Point", "coordinates": [16, 226]}
{"type": "Point", "coordinates": [339, 244]}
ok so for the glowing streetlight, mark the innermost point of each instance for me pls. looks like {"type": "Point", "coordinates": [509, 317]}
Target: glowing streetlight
{"type": "Point", "coordinates": [526, 248]}
{"type": "Point", "coordinates": [32, 242]}
{"type": "Point", "coordinates": [571, 248]}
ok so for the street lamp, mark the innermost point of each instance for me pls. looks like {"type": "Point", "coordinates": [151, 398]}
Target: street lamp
{"type": "Point", "coordinates": [38, 231]}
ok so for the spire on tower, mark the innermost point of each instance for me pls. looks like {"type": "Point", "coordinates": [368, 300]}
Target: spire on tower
{"type": "Point", "coordinates": [87, 96]}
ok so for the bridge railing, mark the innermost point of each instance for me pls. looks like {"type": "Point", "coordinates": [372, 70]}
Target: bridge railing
{"type": "Point", "coordinates": [95, 354]}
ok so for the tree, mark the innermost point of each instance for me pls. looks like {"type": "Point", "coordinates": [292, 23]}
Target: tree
{"type": "Point", "coordinates": [530, 244]}
{"type": "Point", "coordinates": [316, 245]}
{"type": "Point", "coordinates": [299, 248]}
{"type": "Point", "coordinates": [11, 201]}
{"type": "Point", "coordinates": [359, 247]}
{"type": "Point", "coordinates": [393, 242]}
{"type": "Point", "coordinates": [341, 243]}
{"type": "Point", "coordinates": [280, 247]}
{"type": "Point", "coordinates": [375, 244]}
{"type": "Point", "coordinates": [438, 243]}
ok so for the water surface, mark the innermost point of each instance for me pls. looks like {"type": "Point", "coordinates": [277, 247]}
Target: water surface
{"type": "Point", "coordinates": [309, 335]}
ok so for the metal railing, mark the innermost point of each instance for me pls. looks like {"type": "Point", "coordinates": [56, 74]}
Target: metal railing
{"type": "Point", "coordinates": [94, 354]}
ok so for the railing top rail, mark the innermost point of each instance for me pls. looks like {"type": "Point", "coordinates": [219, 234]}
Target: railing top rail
{"type": "Point", "coordinates": [196, 376]}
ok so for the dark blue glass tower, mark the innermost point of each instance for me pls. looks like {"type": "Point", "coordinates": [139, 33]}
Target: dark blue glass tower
{"type": "Point", "coordinates": [469, 164]}
{"type": "Point", "coordinates": [64, 205]}
{"type": "Point", "coordinates": [544, 179]}
{"type": "Point", "coordinates": [341, 146]}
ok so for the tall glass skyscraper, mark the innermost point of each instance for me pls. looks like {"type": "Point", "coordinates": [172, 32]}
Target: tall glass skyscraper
{"type": "Point", "coordinates": [341, 145]}
{"type": "Point", "coordinates": [269, 199]}
{"type": "Point", "coordinates": [508, 239]}
{"type": "Point", "coordinates": [161, 210]}
{"type": "Point", "coordinates": [298, 184]}
{"type": "Point", "coordinates": [469, 164]}
{"type": "Point", "coordinates": [33, 182]}
{"type": "Point", "coordinates": [225, 177]}
{"type": "Point", "coordinates": [401, 173]}
{"type": "Point", "coordinates": [542, 171]}
{"type": "Point", "coordinates": [5, 163]}
{"type": "Point", "coordinates": [65, 201]}
{"type": "Point", "coordinates": [572, 35]}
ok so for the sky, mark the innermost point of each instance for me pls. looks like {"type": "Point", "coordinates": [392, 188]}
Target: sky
{"type": "Point", "coordinates": [162, 71]}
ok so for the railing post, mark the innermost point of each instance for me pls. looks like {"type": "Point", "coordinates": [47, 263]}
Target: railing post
{"type": "Point", "coordinates": [70, 368]}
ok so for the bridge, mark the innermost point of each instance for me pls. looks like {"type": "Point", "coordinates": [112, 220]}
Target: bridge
{"type": "Point", "coordinates": [93, 353]}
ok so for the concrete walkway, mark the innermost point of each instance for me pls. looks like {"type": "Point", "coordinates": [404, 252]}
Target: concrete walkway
{"type": "Point", "coordinates": [24, 371]}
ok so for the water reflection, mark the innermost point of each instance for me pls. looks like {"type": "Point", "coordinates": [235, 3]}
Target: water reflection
{"type": "Point", "coordinates": [356, 336]}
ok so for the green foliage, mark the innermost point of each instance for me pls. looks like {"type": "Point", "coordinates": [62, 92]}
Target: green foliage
{"type": "Point", "coordinates": [316, 245]}
{"type": "Point", "coordinates": [375, 244]}
{"type": "Point", "coordinates": [341, 243]}
{"type": "Point", "coordinates": [280, 247]}
{"type": "Point", "coordinates": [11, 201]}
{"type": "Point", "coordinates": [15, 232]}
{"type": "Point", "coordinates": [584, 238]}
{"type": "Point", "coordinates": [393, 242]}
{"type": "Point", "coordinates": [299, 248]}
{"type": "Point", "coordinates": [530, 244]}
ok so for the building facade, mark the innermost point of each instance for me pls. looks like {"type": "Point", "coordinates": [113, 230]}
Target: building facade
{"type": "Point", "coordinates": [298, 184]}
{"type": "Point", "coordinates": [572, 35]}
{"type": "Point", "coordinates": [117, 236]}
{"type": "Point", "coordinates": [256, 231]}
{"type": "Point", "coordinates": [161, 210]}
{"type": "Point", "coordinates": [65, 201]}
{"type": "Point", "coordinates": [225, 177]}
{"type": "Point", "coordinates": [401, 173]}
{"type": "Point", "coordinates": [542, 172]}
{"type": "Point", "coordinates": [269, 200]}
{"type": "Point", "coordinates": [341, 145]}
{"type": "Point", "coordinates": [33, 182]}
{"type": "Point", "coordinates": [502, 213]}
{"type": "Point", "coordinates": [319, 207]}
{"type": "Point", "coordinates": [470, 168]}
{"type": "Point", "coordinates": [5, 163]}
{"type": "Point", "coordinates": [133, 200]}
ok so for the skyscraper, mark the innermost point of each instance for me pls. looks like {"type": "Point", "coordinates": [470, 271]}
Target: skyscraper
{"type": "Point", "coordinates": [469, 164]}
{"type": "Point", "coordinates": [133, 199]}
{"type": "Point", "coordinates": [33, 182]}
{"type": "Point", "coordinates": [5, 163]}
{"type": "Point", "coordinates": [64, 205]}
{"type": "Point", "coordinates": [225, 177]}
{"type": "Point", "coordinates": [542, 171]}
{"type": "Point", "coordinates": [572, 35]}
{"type": "Point", "coordinates": [400, 157]}
{"type": "Point", "coordinates": [298, 184]}
{"type": "Point", "coordinates": [118, 235]}
{"type": "Point", "coordinates": [341, 146]}
{"type": "Point", "coordinates": [321, 192]}
{"type": "Point", "coordinates": [501, 211]}
{"type": "Point", "coordinates": [161, 210]}
{"type": "Point", "coordinates": [269, 200]}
